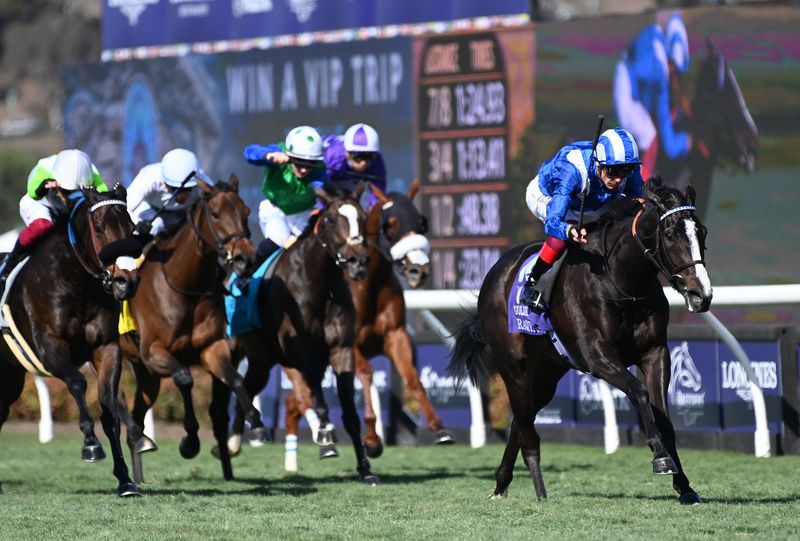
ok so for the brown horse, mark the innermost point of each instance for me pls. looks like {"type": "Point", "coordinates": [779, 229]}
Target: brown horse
{"type": "Point", "coordinates": [180, 315]}
{"type": "Point", "coordinates": [395, 234]}
{"type": "Point", "coordinates": [610, 310]}
{"type": "Point", "coordinates": [64, 303]}
{"type": "Point", "coordinates": [307, 313]}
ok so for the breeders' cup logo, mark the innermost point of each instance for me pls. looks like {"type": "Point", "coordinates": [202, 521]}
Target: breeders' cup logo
{"type": "Point", "coordinates": [132, 9]}
{"type": "Point", "coordinates": [590, 399]}
{"type": "Point", "coordinates": [303, 9]}
{"type": "Point", "coordinates": [248, 7]}
{"type": "Point", "coordinates": [440, 389]}
{"type": "Point", "coordinates": [685, 385]}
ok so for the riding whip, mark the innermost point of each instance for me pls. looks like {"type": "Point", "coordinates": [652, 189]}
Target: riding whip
{"type": "Point", "coordinates": [585, 190]}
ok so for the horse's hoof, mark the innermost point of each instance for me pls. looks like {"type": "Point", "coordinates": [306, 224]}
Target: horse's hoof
{"type": "Point", "coordinates": [328, 451]}
{"type": "Point", "coordinates": [499, 495]}
{"type": "Point", "coordinates": [690, 498]}
{"type": "Point", "coordinates": [664, 466]}
{"type": "Point", "coordinates": [444, 437]}
{"type": "Point", "coordinates": [326, 435]}
{"type": "Point", "coordinates": [189, 447]}
{"type": "Point", "coordinates": [373, 450]}
{"type": "Point", "coordinates": [145, 445]}
{"type": "Point", "coordinates": [371, 480]}
{"type": "Point", "coordinates": [128, 489]}
{"type": "Point", "coordinates": [257, 436]}
{"type": "Point", "coordinates": [215, 452]}
{"type": "Point", "coordinates": [92, 453]}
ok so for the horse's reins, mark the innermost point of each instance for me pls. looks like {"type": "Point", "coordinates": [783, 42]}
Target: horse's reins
{"type": "Point", "coordinates": [224, 255]}
{"type": "Point", "coordinates": [104, 275]}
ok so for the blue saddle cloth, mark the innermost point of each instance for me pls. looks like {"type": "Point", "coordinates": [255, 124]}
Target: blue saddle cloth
{"type": "Point", "coordinates": [522, 320]}
{"type": "Point", "coordinates": [241, 308]}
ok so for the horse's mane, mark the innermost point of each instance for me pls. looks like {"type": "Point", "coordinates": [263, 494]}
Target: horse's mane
{"type": "Point", "coordinates": [619, 209]}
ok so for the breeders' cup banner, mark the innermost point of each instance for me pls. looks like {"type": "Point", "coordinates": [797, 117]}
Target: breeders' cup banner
{"type": "Point", "coordinates": [126, 115]}
{"type": "Point", "coordinates": [144, 23]}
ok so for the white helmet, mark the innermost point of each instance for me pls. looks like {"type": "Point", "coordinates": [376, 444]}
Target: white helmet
{"type": "Point", "coordinates": [304, 143]}
{"type": "Point", "coordinates": [678, 43]}
{"type": "Point", "coordinates": [73, 169]}
{"type": "Point", "coordinates": [361, 138]}
{"type": "Point", "coordinates": [177, 165]}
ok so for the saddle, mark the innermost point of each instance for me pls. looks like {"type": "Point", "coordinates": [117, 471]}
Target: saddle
{"type": "Point", "coordinates": [241, 303]}
{"type": "Point", "coordinates": [522, 320]}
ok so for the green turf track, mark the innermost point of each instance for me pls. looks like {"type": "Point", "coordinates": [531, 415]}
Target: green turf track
{"type": "Point", "coordinates": [427, 493]}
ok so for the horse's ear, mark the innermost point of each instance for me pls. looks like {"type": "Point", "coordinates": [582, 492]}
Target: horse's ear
{"type": "Point", "coordinates": [359, 190]}
{"type": "Point", "coordinates": [204, 186]}
{"type": "Point", "coordinates": [119, 192]}
{"type": "Point", "coordinates": [377, 192]}
{"type": "Point", "coordinates": [326, 198]}
{"type": "Point", "coordinates": [690, 193]}
{"type": "Point", "coordinates": [414, 189]}
{"type": "Point", "coordinates": [233, 180]}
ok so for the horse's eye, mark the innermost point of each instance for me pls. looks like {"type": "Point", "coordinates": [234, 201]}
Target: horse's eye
{"type": "Point", "coordinates": [215, 215]}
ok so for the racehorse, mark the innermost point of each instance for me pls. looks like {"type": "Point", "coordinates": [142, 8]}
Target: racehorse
{"type": "Point", "coordinates": [180, 315]}
{"type": "Point", "coordinates": [395, 234]}
{"type": "Point", "coordinates": [307, 313]}
{"type": "Point", "coordinates": [610, 312]}
{"type": "Point", "coordinates": [64, 304]}
{"type": "Point", "coordinates": [721, 127]}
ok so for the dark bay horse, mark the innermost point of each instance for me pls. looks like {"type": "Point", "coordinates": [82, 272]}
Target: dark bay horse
{"type": "Point", "coordinates": [180, 315]}
{"type": "Point", "coordinates": [610, 311]}
{"type": "Point", "coordinates": [64, 304]}
{"type": "Point", "coordinates": [722, 129]}
{"type": "Point", "coordinates": [395, 234]}
{"type": "Point", "coordinates": [307, 312]}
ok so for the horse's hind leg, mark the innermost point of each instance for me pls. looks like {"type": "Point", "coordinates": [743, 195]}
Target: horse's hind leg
{"type": "Point", "coordinates": [656, 376]}
{"type": "Point", "coordinates": [218, 410]}
{"type": "Point", "coordinates": [505, 471]}
{"type": "Point", "coordinates": [12, 380]}
{"type": "Point", "coordinates": [106, 360]}
{"type": "Point", "coordinates": [372, 441]}
{"type": "Point", "coordinates": [398, 347]}
{"type": "Point", "coordinates": [147, 388]}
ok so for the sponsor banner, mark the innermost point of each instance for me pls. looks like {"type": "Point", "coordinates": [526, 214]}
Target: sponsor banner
{"type": "Point", "coordinates": [126, 115]}
{"type": "Point", "coordinates": [144, 23]}
{"type": "Point", "coordinates": [450, 403]}
{"type": "Point", "coordinates": [381, 377]}
{"type": "Point", "coordinates": [560, 412]}
{"type": "Point", "coordinates": [694, 393]}
{"type": "Point", "coordinates": [737, 400]}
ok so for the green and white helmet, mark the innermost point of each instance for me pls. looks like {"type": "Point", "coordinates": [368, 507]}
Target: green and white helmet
{"type": "Point", "coordinates": [304, 143]}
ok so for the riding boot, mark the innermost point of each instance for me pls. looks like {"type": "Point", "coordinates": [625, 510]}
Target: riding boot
{"type": "Point", "coordinates": [17, 254]}
{"type": "Point", "coordinates": [530, 295]}
{"type": "Point", "coordinates": [265, 248]}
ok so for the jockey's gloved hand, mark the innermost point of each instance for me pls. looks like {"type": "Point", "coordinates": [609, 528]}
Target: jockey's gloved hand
{"type": "Point", "coordinates": [142, 230]}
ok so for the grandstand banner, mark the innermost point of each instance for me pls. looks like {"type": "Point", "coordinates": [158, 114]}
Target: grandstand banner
{"type": "Point", "coordinates": [152, 23]}
{"type": "Point", "coordinates": [128, 114]}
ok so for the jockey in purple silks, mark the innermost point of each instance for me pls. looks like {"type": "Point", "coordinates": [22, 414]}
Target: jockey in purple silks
{"type": "Point", "coordinates": [354, 157]}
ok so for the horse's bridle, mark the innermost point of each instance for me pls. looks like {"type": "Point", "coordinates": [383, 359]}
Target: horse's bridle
{"type": "Point", "coordinates": [224, 255]}
{"type": "Point", "coordinates": [104, 275]}
{"type": "Point", "coordinates": [324, 238]}
{"type": "Point", "coordinates": [670, 270]}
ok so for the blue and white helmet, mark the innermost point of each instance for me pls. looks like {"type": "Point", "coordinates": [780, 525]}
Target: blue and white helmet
{"type": "Point", "coordinates": [361, 138]}
{"type": "Point", "coordinates": [677, 43]}
{"type": "Point", "coordinates": [617, 147]}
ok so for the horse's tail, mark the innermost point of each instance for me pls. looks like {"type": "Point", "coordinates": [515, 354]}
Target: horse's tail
{"type": "Point", "coordinates": [471, 355]}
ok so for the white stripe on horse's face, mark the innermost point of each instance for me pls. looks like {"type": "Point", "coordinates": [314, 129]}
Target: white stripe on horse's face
{"type": "Point", "coordinates": [126, 263]}
{"type": "Point", "coordinates": [699, 269]}
{"type": "Point", "coordinates": [350, 212]}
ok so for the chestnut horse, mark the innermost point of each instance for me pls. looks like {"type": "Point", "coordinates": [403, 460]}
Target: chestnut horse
{"type": "Point", "coordinates": [64, 304]}
{"type": "Point", "coordinates": [180, 315]}
{"type": "Point", "coordinates": [610, 312]}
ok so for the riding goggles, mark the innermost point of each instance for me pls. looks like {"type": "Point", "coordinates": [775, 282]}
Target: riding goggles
{"type": "Point", "coordinates": [362, 156]}
{"type": "Point", "coordinates": [620, 171]}
{"type": "Point", "coordinates": [308, 164]}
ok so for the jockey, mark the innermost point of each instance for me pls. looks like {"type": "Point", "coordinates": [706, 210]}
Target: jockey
{"type": "Point", "coordinates": [554, 196]}
{"type": "Point", "coordinates": [292, 170]}
{"type": "Point", "coordinates": [161, 193]}
{"type": "Point", "coordinates": [69, 170]}
{"type": "Point", "coordinates": [354, 157]}
{"type": "Point", "coordinates": [647, 73]}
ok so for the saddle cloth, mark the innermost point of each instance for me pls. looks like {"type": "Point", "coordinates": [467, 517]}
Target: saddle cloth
{"type": "Point", "coordinates": [241, 307]}
{"type": "Point", "coordinates": [522, 320]}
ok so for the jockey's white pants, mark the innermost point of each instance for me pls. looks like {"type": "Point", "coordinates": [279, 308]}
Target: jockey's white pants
{"type": "Point", "coordinates": [30, 210]}
{"type": "Point", "coordinates": [631, 114]}
{"type": "Point", "coordinates": [278, 226]}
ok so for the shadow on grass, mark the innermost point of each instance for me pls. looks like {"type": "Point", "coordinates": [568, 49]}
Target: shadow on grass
{"type": "Point", "coordinates": [674, 498]}
{"type": "Point", "coordinates": [260, 490]}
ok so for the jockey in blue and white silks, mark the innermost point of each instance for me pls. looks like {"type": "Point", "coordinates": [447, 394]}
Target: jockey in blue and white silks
{"type": "Point", "coordinates": [554, 195]}
{"type": "Point", "coordinates": [642, 86]}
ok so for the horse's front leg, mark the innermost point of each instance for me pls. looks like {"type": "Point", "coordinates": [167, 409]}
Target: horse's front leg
{"type": "Point", "coordinates": [372, 440]}
{"type": "Point", "coordinates": [107, 362]}
{"type": "Point", "coordinates": [656, 369]}
{"type": "Point", "coordinates": [342, 361]}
